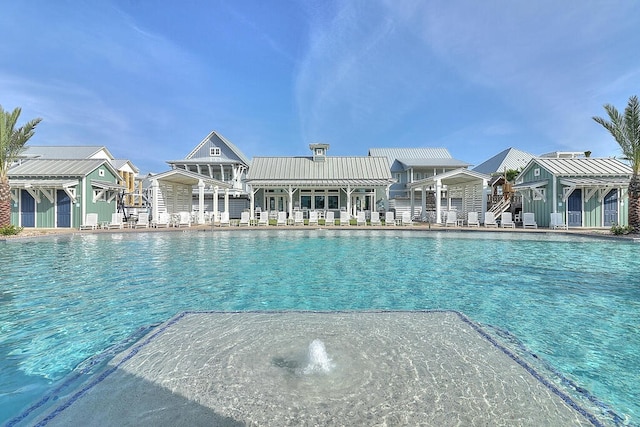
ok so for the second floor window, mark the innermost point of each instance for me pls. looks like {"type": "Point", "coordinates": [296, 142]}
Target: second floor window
{"type": "Point", "coordinates": [214, 151]}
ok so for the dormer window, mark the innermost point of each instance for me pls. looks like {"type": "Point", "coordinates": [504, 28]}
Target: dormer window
{"type": "Point", "coordinates": [214, 152]}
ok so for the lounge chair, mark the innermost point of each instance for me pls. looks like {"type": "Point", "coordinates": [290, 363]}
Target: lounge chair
{"type": "Point", "coordinates": [375, 218]}
{"type": "Point", "coordinates": [245, 219]}
{"type": "Point", "coordinates": [472, 219]}
{"type": "Point", "coordinates": [406, 218]}
{"type": "Point", "coordinates": [224, 219]}
{"type": "Point", "coordinates": [529, 220]}
{"type": "Point", "coordinates": [143, 220]}
{"type": "Point", "coordinates": [184, 219]}
{"type": "Point", "coordinates": [90, 222]}
{"type": "Point", "coordinates": [282, 218]}
{"type": "Point", "coordinates": [490, 220]}
{"type": "Point", "coordinates": [298, 218]}
{"type": "Point", "coordinates": [330, 218]}
{"type": "Point", "coordinates": [116, 221]}
{"type": "Point", "coordinates": [263, 218]}
{"type": "Point", "coordinates": [389, 219]}
{"type": "Point", "coordinates": [452, 219]}
{"type": "Point", "coordinates": [313, 218]}
{"type": "Point", "coordinates": [345, 218]}
{"type": "Point", "coordinates": [361, 218]}
{"type": "Point", "coordinates": [506, 221]}
{"type": "Point", "coordinates": [163, 220]}
{"type": "Point", "coordinates": [557, 221]}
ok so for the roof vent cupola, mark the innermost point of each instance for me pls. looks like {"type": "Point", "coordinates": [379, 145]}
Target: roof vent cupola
{"type": "Point", "coordinates": [319, 151]}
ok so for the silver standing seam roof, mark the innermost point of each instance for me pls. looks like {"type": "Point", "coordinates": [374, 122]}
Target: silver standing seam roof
{"type": "Point", "coordinates": [409, 154]}
{"type": "Point", "coordinates": [511, 158]}
{"type": "Point", "coordinates": [58, 168]}
{"type": "Point", "coordinates": [332, 171]}
{"type": "Point", "coordinates": [585, 166]}
{"type": "Point", "coordinates": [63, 151]}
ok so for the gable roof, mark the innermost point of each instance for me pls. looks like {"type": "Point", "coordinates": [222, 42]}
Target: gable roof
{"type": "Point", "coordinates": [332, 171]}
{"type": "Point", "coordinates": [186, 177]}
{"type": "Point", "coordinates": [453, 177]}
{"type": "Point", "coordinates": [410, 155]}
{"type": "Point", "coordinates": [511, 158]}
{"type": "Point", "coordinates": [214, 139]}
{"type": "Point", "coordinates": [583, 166]}
{"type": "Point", "coordinates": [66, 152]}
{"type": "Point", "coordinates": [59, 167]}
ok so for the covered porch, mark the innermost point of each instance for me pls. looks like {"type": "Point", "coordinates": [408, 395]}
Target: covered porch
{"type": "Point", "coordinates": [172, 192]}
{"type": "Point", "coordinates": [468, 186]}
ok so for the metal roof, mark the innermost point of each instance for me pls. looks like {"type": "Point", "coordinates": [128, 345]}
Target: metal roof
{"type": "Point", "coordinates": [51, 167]}
{"type": "Point", "coordinates": [511, 158]}
{"type": "Point", "coordinates": [106, 185]}
{"type": "Point", "coordinates": [63, 151]}
{"type": "Point", "coordinates": [332, 171]}
{"type": "Point", "coordinates": [393, 154]}
{"type": "Point", "coordinates": [436, 163]}
{"type": "Point", "coordinates": [186, 177]}
{"type": "Point", "coordinates": [595, 182]}
{"type": "Point", "coordinates": [42, 183]}
{"type": "Point", "coordinates": [585, 166]}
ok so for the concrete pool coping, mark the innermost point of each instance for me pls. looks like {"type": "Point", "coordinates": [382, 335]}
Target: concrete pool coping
{"type": "Point", "coordinates": [200, 368]}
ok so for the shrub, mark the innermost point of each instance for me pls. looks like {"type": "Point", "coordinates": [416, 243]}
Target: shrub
{"type": "Point", "coordinates": [621, 229]}
{"type": "Point", "coordinates": [10, 230]}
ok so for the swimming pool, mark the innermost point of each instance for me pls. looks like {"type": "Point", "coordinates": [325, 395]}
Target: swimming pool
{"type": "Point", "coordinates": [573, 301]}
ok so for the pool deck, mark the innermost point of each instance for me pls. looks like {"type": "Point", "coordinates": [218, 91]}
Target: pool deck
{"type": "Point", "coordinates": [31, 233]}
{"type": "Point", "coordinates": [390, 368]}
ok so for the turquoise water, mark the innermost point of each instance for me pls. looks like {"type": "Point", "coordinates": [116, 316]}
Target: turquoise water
{"type": "Point", "coordinates": [574, 302]}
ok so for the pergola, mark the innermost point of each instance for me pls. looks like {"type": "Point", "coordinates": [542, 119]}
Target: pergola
{"type": "Point", "coordinates": [472, 187]}
{"type": "Point", "coordinates": [174, 190]}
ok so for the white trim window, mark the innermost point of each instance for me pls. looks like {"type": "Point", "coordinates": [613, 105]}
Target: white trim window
{"type": "Point", "coordinates": [539, 194]}
{"type": "Point", "coordinates": [215, 152]}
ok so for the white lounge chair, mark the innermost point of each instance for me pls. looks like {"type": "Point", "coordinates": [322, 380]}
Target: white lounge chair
{"type": "Point", "coordinates": [116, 221]}
{"type": "Point", "coordinates": [452, 219]}
{"type": "Point", "coordinates": [224, 219]}
{"type": "Point", "coordinates": [313, 218]}
{"type": "Point", "coordinates": [298, 218]}
{"type": "Point", "coordinates": [90, 222]}
{"type": "Point", "coordinates": [389, 219]}
{"type": "Point", "coordinates": [163, 220]}
{"type": "Point", "coordinates": [345, 218]}
{"type": "Point", "coordinates": [330, 218]}
{"type": "Point", "coordinates": [472, 219]}
{"type": "Point", "coordinates": [263, 218]}
{"type": "Point", "coordinates": [490, 220]}
{"type": "Point", "coordinates": [557, 221]}
{"type": "Point", "coordinates": [529, 220]}
{"type": "Point", "coordinates": [184, 219]}
{"type": "Point", "coordinates": [361, 218]}
{"type": "Point", "coordinates": [406, 218]}
{"type": "Point", "coordinates": [282, 218]}
{"type": "Point", "coordinates": [245, 219]}
{"type": "Point", "coordinates": [506, 221]}
{"type": "Point", "coordinates": [375, 218]}
{"type": "Point", "coordinates": [143, 220]}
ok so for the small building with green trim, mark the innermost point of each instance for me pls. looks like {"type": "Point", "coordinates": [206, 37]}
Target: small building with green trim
{"type": "Point", "coordinates": [50, 193]}
{"type": "Point", "coordinates": [589, 192]}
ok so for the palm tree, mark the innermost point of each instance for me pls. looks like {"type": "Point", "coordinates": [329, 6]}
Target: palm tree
{"type": "Point", "coordinates": [625, 129]}
{"type": "Point", "coordinates": [12, 142]}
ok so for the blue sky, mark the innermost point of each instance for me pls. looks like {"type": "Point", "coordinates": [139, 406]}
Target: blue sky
{"type": "Point", "coordinates": [150, 79]}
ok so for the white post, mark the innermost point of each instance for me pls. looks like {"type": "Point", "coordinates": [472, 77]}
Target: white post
{"type": "Point", "coordinates": [486, 190]}
{"type": "Point", "coordinates": [155, 210]}
{"type": "Point", "coordinates": [200, 201]}
{"type": "Point", "coordinates": [226, 200]}
{"type": "Point", "coordinates": [412, 197]}
{"type": "Point", "coordinates": [438, 202]}
{"type": "Point", "coordinates": [215, 205]}
{"type": "Point", "coordinates": [424, 203]}
{"type": "Point", "coordinates": [252, 202]}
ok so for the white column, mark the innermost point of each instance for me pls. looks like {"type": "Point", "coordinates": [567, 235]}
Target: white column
{"type": "Point", "coordinates": [290, 202]}
{"type": "Point", "coordinates": [200, 201]}
{"type": "Point", "coordinates": [423, 215]}
{"type": "Point", "coordinates": [252, 203]}
{"type": "Point", "coordinates": [486, 190]}
{"type": "Point", "coordinates": [438, 203]}
{"type": "Point", "coordinates": [226, 200]}
{"type": "Point", "coordinates": [412, 197]}
{"type": "Point", "coordinates": [215, 205]}
{"type": "Point", "coordinates": [155, 210]}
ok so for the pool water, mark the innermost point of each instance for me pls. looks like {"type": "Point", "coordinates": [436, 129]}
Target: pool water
{"type": "Point", "coordinates": [574, 302]}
